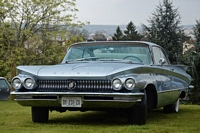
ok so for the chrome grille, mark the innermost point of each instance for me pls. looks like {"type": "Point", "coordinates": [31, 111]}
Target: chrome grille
{"type": "Point", "coordinates": [81, 86]}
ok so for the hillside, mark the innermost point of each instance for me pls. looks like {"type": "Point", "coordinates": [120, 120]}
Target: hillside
{"type": "Point", "coordinates": [111, 29]}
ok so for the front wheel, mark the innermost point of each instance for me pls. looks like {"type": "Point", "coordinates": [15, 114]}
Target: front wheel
{"type": "Point", "coordinates": [40, 114]}
{"type": "Point", "coordinates": [137, 114]}
{"type": "Point", "coordinates": [172, 108]}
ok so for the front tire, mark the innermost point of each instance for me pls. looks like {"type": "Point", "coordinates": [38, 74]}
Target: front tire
{"type": "Point", "coordinates": [40, 114]}
{"type": "Point", "coordinates": [172, 108]}
{"type": "Point", "coordinates": [137, 114]}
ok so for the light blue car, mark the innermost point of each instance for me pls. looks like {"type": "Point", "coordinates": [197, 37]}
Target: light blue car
{"type": "Point", "coordinates": [124, 76]}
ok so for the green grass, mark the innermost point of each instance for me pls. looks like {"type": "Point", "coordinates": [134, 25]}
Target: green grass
{"type": "Point", "coordinates": [17, 119]}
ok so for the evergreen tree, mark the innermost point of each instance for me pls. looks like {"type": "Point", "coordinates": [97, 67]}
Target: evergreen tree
{"type": "Point", "coordinates": [163, 29]}
{"type": "Point", "coordinates": [197, 34]}
{"type": "Point", "coordinates": [131, 34]}
{"type": "Point", "coordinates": [192, 59]}
{"type": "Point", "coordinates": [196, 62]}
{"type": "Point", "coordinates": [118, 36]}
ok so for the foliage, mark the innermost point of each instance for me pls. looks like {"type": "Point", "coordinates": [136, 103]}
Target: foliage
{"type": "Point", "coordinates": [99, 36]}
{"type": "Point", "coordinates": [34, 16]}
{"type": "Point", "coordinates": [35, 32]}
{"type": "Point", "coordinates": [7, 50]}
{"type": "Point", "coordinates": [192, 59]}
{"type": "Point", "coordinates": [163, 29]}
{"type": "Point", "coordinates": [77, 32]}
{"type": "Point", "coordinates": [197, 34]}
{"type": "Point", "coordinates": [74, 39]}
{"type": "Point", "coordinates": [130, 34]}
{"type": "Point", "coordinates": [118, 36]}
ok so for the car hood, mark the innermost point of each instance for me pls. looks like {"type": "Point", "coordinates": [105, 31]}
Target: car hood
{"type": "Point", "coordinates": [92, 69]}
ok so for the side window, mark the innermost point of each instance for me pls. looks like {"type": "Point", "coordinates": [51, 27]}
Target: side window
{"type": "Point", "coordinates": [158, 53]}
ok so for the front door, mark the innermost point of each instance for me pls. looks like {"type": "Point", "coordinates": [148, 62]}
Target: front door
{"type": "Point", "coordinates": [165, 93]}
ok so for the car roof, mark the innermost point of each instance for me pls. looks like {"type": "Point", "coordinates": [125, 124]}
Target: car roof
{"type": "Point", "coordinates": [3, 78]}
{"type": "Point", "coordinates": [114, 42]}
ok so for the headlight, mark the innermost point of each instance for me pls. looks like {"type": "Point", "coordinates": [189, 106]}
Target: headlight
{"type": "Point", "coordinates": [129, 84]}
{"type": "Point", "coordinates": [29, 83]}
{"type": "Point", "coordinates": [117, 84]}
{"type": "Point", "coordinates": [16, 83]}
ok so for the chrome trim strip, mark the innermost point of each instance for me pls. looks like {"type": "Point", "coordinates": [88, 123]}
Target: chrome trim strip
{"type": "Point", "coordinates": [23, 99]}
{"type": "Point", "coordinates": [171, 90]}
{"type": "Point", "coordinates": [118, 97]}
{"type": "Point", "coordinates": [128, 101]}
{"type": "Point", "coordinates": [76, 93]}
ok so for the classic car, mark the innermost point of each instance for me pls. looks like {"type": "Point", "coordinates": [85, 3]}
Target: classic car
{"type": "Point", "coordinates": [128, 76]}
{"type": "Point", "coordinates": [4, 89]}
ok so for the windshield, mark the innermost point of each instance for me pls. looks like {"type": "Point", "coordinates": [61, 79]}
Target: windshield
{"type": "Point", "coordinates": [4, 84]}
{"type": "Point", "coordinates": [109, 52]}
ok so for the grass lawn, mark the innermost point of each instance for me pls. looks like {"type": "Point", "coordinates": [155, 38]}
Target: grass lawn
{"type": "Point", "coordinates": [17, 119]}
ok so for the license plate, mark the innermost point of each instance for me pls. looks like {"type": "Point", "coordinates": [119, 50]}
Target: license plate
{"type": "Point", "coordinates": [71, 101]}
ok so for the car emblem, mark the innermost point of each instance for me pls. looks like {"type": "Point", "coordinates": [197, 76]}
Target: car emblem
{"type": "Point", "coordinates": [71, 84]}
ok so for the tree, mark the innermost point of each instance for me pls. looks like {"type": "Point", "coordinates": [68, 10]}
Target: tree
{"type": "Point", "coordinates": [99, 36]}
{"type": "Point", "coordinates": [192, 59]}
{"type": "Point", "coordinates": [197, 34]}
{"type": "Point", "coordinates": [118, 36]}
{"type": "Point", "coordinates": [130, 33]}
{"type": "Point", "coordinates": [32, 31]}
{"type": "Point", "coordinates": [33, 16]}
{"type": "Point", "coordinates": [5, 35]}
{"type": "Point", "coordinates": [163, 29]}
{"type": "Point", "coordinates": [76, 31]}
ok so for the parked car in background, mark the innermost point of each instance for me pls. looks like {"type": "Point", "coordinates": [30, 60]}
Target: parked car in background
{"type": "Point", "coordinates": [124, 76]}
{"type": "Point", "coordinates": [4, 89]}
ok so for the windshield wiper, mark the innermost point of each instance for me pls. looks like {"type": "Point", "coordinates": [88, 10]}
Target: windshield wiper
{"type": "Point", "coordinates": [89, 58]}
{"type": "Point", "coordinates": [82, 59]}
{"type": "Point", "coordinates": [116, 60]}
{"type": "Point", "coordinates": [110, 60]}
{"type": "Point", "coordinates": [121, 60]}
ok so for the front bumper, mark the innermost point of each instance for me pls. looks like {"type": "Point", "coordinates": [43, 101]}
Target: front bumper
{"type": "Point", "coordinates": [89, 100]}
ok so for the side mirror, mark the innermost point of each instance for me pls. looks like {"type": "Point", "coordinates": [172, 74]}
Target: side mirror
{"type": "Point", "coordinates": [162, 61]}
{"type": "Point", "coordinates": [191, 87]}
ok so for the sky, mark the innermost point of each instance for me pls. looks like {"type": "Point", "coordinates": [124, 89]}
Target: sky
{"type": "Point", "coordinates": [121, 12]}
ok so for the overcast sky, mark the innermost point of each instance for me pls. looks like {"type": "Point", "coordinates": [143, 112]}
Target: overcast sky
{"type": "Point", "coordinates": [117, 12]}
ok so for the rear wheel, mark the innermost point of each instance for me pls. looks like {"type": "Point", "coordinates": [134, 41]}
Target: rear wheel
{"type": "Point", "coordinates": [172, 108]}
{"type": "Point", "coordinates": [137, 114]}
{"type": "Point", "coordinates": [40, 114]}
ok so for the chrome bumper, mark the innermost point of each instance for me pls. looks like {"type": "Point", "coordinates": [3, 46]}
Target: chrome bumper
{"type": "Point", "coordinates": [89, 100]}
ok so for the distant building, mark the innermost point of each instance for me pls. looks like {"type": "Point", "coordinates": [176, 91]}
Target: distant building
{"type": "Point", "coordinates": [188, 45]}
